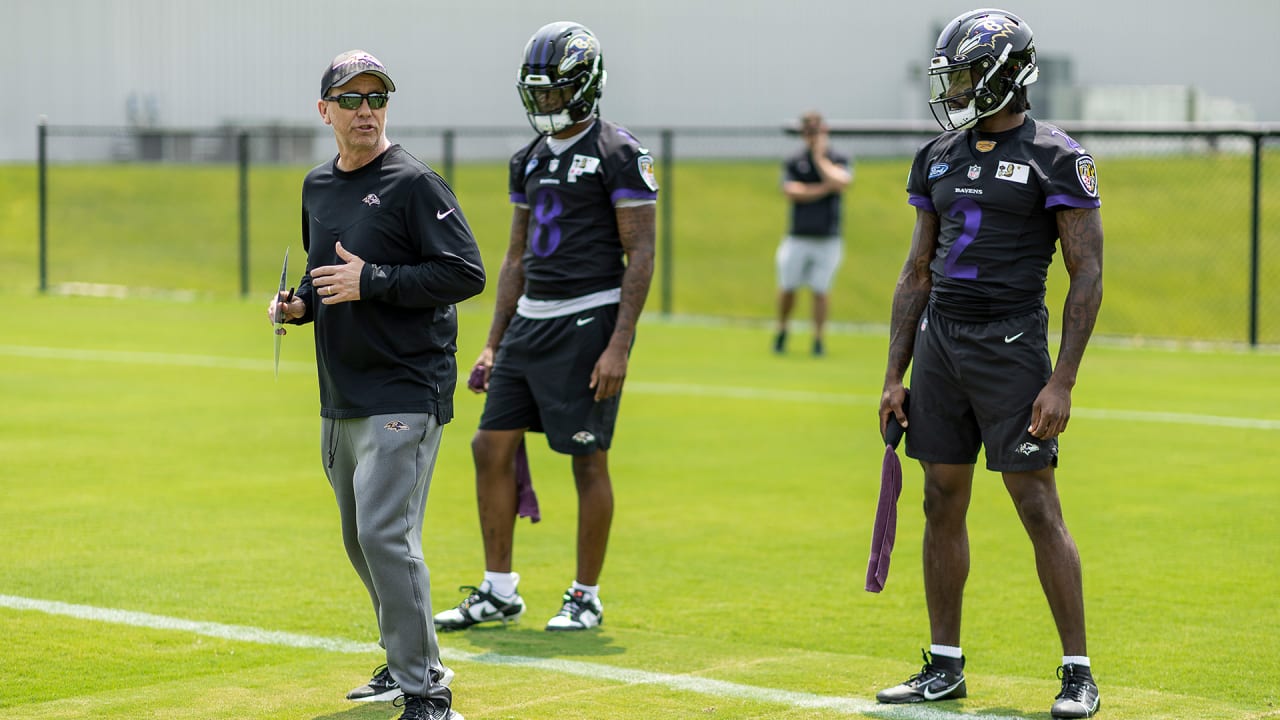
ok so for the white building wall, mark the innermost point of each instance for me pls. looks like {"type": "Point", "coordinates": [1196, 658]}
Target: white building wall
{"type": "Point", "coordinates": [203, 63]}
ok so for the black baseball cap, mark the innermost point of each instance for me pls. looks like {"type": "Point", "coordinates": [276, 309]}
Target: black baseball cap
{"type": "Point", "coordinates": [350, 64]}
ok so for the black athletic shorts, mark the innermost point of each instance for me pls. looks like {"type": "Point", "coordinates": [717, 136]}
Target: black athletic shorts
{"type": "Point", "coordinates": [974, 384]}
{"type": "Point", "coordinates": [541, 381]}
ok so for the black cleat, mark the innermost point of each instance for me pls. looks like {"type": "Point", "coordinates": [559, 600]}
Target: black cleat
{"type": "Point", "coordinates": [418, 707]}
{"type": "Point", "coordinates": [380, 688]}
{"type": "Point", "coordinates": [933, 682]}
{"type": "Point", "coordinates": [1079, 697]}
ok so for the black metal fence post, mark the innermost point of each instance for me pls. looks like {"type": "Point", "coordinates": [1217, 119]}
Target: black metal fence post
{"type": "Point", "coordinates": [42, 163]}
{"type": "Point", "coordinates": [448, 138]}
{"type": "Point", "coordinates": [1255, 233]}
{"type": "Point", "coordinates": [668, 194]}
{"type": "Point", "coordinates": [242, 156]}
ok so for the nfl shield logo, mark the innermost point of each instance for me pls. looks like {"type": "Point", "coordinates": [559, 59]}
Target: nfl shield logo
{"type": "Point", "coordinates": [974, 171]}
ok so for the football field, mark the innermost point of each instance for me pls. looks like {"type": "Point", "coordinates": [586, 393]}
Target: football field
{"type": "Point", "coordinates": [169, 546]}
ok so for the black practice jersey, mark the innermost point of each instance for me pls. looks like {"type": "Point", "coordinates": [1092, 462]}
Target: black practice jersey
{"type": "Point", "coordinates": [393, 349]}
{"type": "Point", "coordinates": [572, 246]}
{"type": "Point", "coordinates": [820, 218]}
{"type": "Point", "coordinates": [997, 196]}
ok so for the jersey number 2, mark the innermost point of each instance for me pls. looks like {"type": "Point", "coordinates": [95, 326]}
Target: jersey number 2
{"type": "Point", "coordinates": [972, 214]}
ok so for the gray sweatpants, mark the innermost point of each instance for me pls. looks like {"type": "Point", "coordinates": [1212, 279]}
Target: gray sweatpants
{"type": "Point", "coordinates": [380, 470]}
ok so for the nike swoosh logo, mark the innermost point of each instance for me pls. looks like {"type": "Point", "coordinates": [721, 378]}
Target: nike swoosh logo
{"type": "Point", "coordinates": [445, 214]}
{"type": "Point", "coordinates": [1009, 339]}
{"type": "Point", "coordinates": [584, 321]}
{"type": "Point", "coordinates": [934, 696]}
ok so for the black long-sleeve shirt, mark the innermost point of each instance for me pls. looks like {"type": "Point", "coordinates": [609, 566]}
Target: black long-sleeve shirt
{"type": "Point", "coordinates": [392, 350]}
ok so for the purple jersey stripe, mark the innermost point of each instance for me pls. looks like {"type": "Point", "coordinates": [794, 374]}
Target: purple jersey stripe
{"type": "Point", "coordinates": [922, 202]}
{"type": "Point", "coordinates": [519, 198]}
{"type": "Point", "coordinates": [1071, 201]}
{"type": "Point", "coordinates": [627, 194]}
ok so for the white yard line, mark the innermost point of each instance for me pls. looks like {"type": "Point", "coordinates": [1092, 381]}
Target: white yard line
{"type": "Point", "coordinates": [683, 683]}
{"type": "Point", "coordinates": [634, 386]}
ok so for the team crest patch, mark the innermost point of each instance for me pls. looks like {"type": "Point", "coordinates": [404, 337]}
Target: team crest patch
{"type": "Point", "coordinates": [1027, 448]}
{"type": "Point", "coordinates": [582, 437]}
{"type": "Point", "coordinates": [938, 170]}
{"type": "Point", "coordinates": [1088, 175]}
{"type": "Point", "coordinates": [985, 145]}
{"type": "Point", "coordinates": [974, 171]}
{"type": "Point", "coordinates": [1013, 172]}
{"type": "Point", "coordinates": [396, 426]}
{"type": "Point", "coordinates": [645, 162]}
{"type": "Point", "coordinates": [529, 166]}
{"type": "Point", "coordinates": [371, 200]}
{"type": "Point", "coordinates": [553, 165]}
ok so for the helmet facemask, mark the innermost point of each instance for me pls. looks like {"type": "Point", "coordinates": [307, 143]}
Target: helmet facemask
{"type": "Point", "coordinates": [554, 105]}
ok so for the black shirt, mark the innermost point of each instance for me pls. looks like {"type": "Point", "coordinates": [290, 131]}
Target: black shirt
{"type": "Point", "coordinates": [573, 247]}
{"type": "Point", "coordinates": [821, 217]}
{"type": "Point", "coordinates": [392, 350]}
{"type": "Point", "coordinates": [997, 196]}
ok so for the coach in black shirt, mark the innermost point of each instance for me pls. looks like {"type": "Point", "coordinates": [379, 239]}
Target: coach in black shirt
{"type": "Point", "coordinates": [389, 253]}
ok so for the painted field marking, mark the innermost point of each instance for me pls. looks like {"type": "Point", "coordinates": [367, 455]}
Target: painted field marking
{"type": "Point", "coordinates": [641, 387]}
{"type": "Point", "coordinates": [683, 683]}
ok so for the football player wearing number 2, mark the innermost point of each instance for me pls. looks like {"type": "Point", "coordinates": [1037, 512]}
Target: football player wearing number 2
{"type": "Point", "coordinates": [570, 290]}
{"type": "Point", "coordinates": [994, 195]}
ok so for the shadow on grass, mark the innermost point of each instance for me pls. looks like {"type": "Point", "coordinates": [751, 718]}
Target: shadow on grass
{"type": "Point", "coordinates": [535, 642]}
{"type": "Point", "coordinates": [363, 711]}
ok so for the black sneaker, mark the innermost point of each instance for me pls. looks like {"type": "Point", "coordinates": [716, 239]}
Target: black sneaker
{"type": "Point", "coordinates": [933, 682]}
{"type": "Point", "coordinates": [418, 707]}
{"type": "Point", "coordinates": [581, 610]}
{"type": "Point", "coordinates": [818, 349]}
{"type": "Point", "coordinates": [480, 606]}
{"type": "Point", "coordinates": [1079, 697]}
{"type": "Point", "coordinates": [381, 688]}
{"type": "Point", "coordinates": [780, 342]}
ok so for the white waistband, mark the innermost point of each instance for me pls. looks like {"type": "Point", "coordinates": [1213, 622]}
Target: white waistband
{"type": "Point", "coordinates": [543, 309]}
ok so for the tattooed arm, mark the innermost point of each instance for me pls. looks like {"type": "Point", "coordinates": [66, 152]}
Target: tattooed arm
{"type": "Point", "coordinates": [637, 231]}
{"type": "Point", "coordinates": [1081, 233]}
{"type": "Point", "coordinates": [510, 287]}
{"type": "Point", "coordinates": [909, 300]}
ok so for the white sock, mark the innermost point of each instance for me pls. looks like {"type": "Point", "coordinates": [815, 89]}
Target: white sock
{"type": "Point", "coordinates": [592, 590]}
{"type": "Point", "coordinates": [946, 651]}
{"type": "Point", "coordinates": [1075, 660]}
{"type": "Point", "coordinates": [501, 584]}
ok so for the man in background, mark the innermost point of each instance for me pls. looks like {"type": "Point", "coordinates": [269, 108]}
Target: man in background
{"type": "Point", "coordinates": [813, 181]}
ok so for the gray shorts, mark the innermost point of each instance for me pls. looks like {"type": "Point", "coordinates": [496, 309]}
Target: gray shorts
{"type": "Point", "coordinates": [974, 384]}
{"type": "Point", "coordinates": [811, 262]}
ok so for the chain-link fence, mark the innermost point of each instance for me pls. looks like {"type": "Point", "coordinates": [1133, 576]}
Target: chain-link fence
{"type": "Point", "coordinates": [1191, 215]}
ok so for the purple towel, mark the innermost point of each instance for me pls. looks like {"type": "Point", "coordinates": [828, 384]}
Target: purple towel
{"type": "Point", "coordinates": [525, 497]}
{"type": "Point", "coordinates": [886, 527]}
{"type": "Point", "coordinates": [475, 382]}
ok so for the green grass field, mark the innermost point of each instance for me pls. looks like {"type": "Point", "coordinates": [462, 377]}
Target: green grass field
{"type": "Point", "coordinates": [1177, 237]}
{"type": "Point", "coordinates": [154, 466]}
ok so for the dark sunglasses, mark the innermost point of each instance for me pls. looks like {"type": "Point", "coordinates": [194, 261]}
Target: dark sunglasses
{"type": "Point", "coordinates": [351, 100]}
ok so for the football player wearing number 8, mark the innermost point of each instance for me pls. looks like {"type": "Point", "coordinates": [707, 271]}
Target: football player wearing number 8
{"type": "Point", "coordinates": [993, 196]}
{"type": "Point", "coordinates": [570, 290]}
